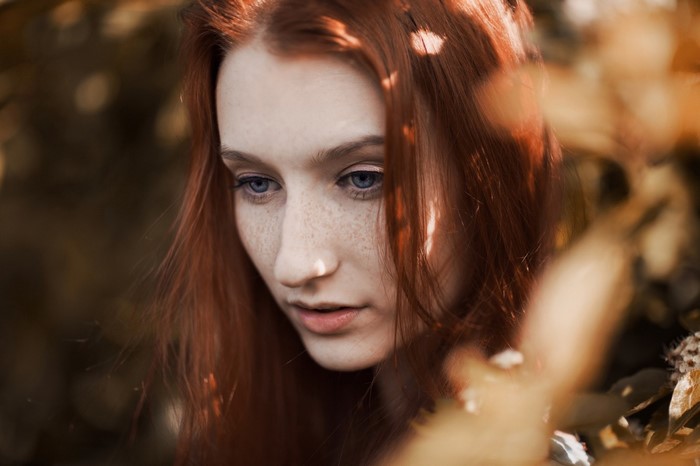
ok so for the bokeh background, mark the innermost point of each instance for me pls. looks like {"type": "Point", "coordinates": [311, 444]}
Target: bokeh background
{"type": "Point", "coordinates": [93, 142]}
{"type": "Point", "coordinates": [92, 153]}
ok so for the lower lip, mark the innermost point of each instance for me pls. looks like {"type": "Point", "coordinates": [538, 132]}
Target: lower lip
{"type": "Point", "coordinates": [327, 322]}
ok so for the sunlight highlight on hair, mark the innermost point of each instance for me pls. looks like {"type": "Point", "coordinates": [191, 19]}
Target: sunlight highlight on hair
{"type": "Point", "coordinates": [341, 30]}
{"type": "Point", "coordinates": [409, 132]}
{"type": "Point", "coordinates": [216, 399]}
{"type": "Point", "coordinates": [389, 81]}
{"type": "Point", "coordinates": [426, 42]}
{"type": "Point", "coordinates": [172, 416]}
{"type": "Point", "coordinates": [430, 229]}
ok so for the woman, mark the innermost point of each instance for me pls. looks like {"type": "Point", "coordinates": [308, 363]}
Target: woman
{"type": "Point", "coordinates": [355, 209]}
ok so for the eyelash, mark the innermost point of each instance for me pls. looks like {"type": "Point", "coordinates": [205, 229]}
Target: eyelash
{"type": "Point", "coordinates": [244, 184]}
{"type": "Point", "coordinates": [362, 193]}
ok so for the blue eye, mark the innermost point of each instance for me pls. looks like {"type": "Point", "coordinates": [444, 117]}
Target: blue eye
{"type": "Point", "coordinates": [258, 185]}
{"type": "Point", "coordinates": [257, 189]}
{"type": "Point", "coordinates": [362, 184]}
{"type": "Point", "coordinates": [365, 180]}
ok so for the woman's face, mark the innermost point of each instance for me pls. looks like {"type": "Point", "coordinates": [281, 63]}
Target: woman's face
{"type": "Point", "coordinates": [303, 137]}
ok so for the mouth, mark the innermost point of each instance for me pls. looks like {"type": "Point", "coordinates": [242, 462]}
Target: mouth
{"type": "Point", "coordinates": [326, 319]}
{"type": "Point", "coordinates": [325, 310]}
{"type": "Point", "coordinates": [323, 307]}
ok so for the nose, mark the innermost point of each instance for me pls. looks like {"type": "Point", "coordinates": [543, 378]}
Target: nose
{"type": "Point", "coordinates": [306, 252]}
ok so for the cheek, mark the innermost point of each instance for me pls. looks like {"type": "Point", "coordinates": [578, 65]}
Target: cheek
{"type": "Point", "coordinates": [364, 232]}
{"type": "Point", "coordinates": [369, 241]}
{"type": "Point", "coordinates": [363, 227]}
{"type": "Point", "coordinates": [258, 233]}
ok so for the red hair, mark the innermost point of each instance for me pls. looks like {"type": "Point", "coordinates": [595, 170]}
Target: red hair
{"type": "Point", "coordinates": [251, 394]}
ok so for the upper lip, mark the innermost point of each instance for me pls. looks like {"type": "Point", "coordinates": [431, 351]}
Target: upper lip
{"type": "Point", "coordinates": [323, 305]}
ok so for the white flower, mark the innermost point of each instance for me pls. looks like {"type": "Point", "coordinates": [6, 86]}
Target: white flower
{"type": "Point", "coordinates": [685, 357]}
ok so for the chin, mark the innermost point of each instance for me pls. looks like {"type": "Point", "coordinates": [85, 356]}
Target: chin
{"type": "Point", "coordinates": [345, 358]}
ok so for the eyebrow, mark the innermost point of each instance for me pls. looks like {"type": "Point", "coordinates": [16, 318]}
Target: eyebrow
{"type": "Point", "coordinates": [323, 156]}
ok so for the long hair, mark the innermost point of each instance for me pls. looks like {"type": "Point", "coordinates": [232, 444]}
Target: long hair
{"type": "Point", "coordinates": [251, 394]}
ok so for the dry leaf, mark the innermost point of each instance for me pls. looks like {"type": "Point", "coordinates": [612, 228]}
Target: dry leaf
{"type": "Point", "coordinates": [685, 401]}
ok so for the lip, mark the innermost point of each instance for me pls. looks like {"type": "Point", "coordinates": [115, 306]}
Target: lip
{"type": "Point", "coordinates": [323, 305]}
{"type": "Point", "coordinates": [326, 322]}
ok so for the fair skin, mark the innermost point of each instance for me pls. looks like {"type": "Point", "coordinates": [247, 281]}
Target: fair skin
{"type": "Point", "coordinates": [302, 137]}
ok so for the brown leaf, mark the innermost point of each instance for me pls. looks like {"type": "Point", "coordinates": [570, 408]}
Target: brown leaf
{"type": "Point", "coordinates": [587, 410]}
{"type": "Point", "coordinates": [609, 438]}
{"type": "Point", "coordinates": [667, 445]}
{"type": "Point", "coordinates": [642, 389]}
{"type": "Point", "coordinates": [685, 402]}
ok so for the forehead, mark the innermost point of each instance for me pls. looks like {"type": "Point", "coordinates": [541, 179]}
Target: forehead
{"type": "Point", "coordinates": [272, 104]}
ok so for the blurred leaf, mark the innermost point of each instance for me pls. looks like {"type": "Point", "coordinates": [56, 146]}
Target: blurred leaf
{"type": "Point", "coordinates": [685, 402]}
{"type": "Point", "coordinates": [691, 444]}
{"type": "Point", "coordinates": [668, 444]}
{"type": "Point", "coordinates": [691, 320]}
{"type": "Point", "coordinates": [687, 56]}
{"type": "Point", "coordinates": [617, 435]}
{"type": "Point", "coordinates": [610, 439]}
{"type": "Point", "coordinates": [657, 428]}
{"type": "Point", "coordinates": [642, 389]}
{"type": "Point", "coordinates": [593, 409]}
